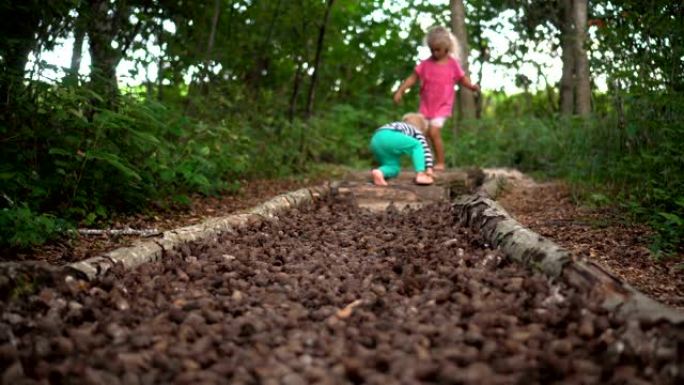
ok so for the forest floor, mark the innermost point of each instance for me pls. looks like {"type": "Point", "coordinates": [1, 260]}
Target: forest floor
{"type": "Point", "coordinates": [601, 235]}
{"type": "Point", "coordinates": [331, 294]}
{"type": "Point", "coordinates": [546, 208]}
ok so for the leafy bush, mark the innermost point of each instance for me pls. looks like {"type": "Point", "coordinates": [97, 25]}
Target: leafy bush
{"type": "Point", "coordinates": [640, 165]}
{"type": "Point", "coordinates": [82, 164]}
{"type": "Point", "coordinates": [28, 229]}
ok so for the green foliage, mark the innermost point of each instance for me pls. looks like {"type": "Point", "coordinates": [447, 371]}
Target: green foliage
{"type": "Point", "coordinates": [85, 164]}
{"type": "Point", "coordinates": [639, 166]}
{"type": "Point", "coordinates": [338, 136]}
{"type": "Point", "coordinates": [643, 44]}
{"type": "Point", "coordinates": [68, 153]}
{"type": "Point", "coordinates": [23, 228]}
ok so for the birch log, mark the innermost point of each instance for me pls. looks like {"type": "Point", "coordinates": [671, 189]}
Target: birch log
{"type": "Point", "coordinates": [209, 230]}
{"type": "Point", "coordinates": [480, 213]}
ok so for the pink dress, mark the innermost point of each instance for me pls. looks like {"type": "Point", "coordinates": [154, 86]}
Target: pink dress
{"type": "Point", "coordinates": [437, 83]}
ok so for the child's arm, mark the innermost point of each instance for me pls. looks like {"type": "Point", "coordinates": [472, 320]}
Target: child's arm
{"type": "Point", "coordinates": [465, 82]}
{"type": "Point", "coordinates": [405, 85]}
{"type": "Point", "coordinates": [429, 161]}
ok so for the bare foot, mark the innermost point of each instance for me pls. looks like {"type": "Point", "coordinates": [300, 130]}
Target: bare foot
{"type": "Point", "coordinates": [378, 178]}
{"type": "Point", "coordinates": [440, 167]}
{"type": "Point", "coordinates": [423, 179]}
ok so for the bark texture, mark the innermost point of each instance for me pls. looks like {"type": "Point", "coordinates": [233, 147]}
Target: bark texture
{"type": "Point", "coordinates": [567, 89]}
{"type": "Point", "coordinates": [103, 26]}
{"type": "Point", "coordinates": [583, 90]}
{"type": "Point", "coordinates": [575, 89]}
{"type": "Point", "coordinates": [482, 214]}
{"type": "Point", "coordinates": [317, 60]}
{"type": "Point", "coordinates": [466, 99]}
{"type": "Point", "coordinates": [153, 250]}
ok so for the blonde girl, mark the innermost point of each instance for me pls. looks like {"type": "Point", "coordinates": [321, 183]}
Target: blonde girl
{"type": "Point", "coordinates": [438, 76]}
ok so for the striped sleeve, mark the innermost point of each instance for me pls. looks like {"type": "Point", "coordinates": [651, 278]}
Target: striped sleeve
{"type": "Point", "coordinates": [429, 162]}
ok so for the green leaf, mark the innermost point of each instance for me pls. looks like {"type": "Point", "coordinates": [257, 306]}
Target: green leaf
{"type": "Point", "coordinates": [599, 198]}
{"type": "Point", "coordinates": [114, 161]}
{"type": "Point", "coordinates": [200, 180]}
{"type": "Point", "coordinates": [672, 218]}
{"type": "Point", "coordinates": [60, 151]}
{"type": "Point", "coordinates": [182, 199]}
{"type": "Point", "coordinates": [680, 202]}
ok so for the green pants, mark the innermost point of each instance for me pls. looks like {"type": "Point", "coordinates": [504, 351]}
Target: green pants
{"type": "Point", "coordinates": [388, 146]}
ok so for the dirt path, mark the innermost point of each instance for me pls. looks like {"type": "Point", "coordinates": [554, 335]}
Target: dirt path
{"type": "Point", "coordinates": [548, 209]}
{"type": "Point", "coordinates": [331, 294]}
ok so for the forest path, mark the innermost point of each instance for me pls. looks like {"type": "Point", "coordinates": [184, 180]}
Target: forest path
{"type": "Point", "coordinates": [547, 208]}
{"type": "Point", "coordinates": [600, 235]}
{"type": "Point", "coordinates": [332, 293]}
{"type": "Point", "coordinates": [402, 192]}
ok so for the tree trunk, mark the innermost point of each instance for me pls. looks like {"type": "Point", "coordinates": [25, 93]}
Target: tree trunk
{"type": "Point", "coordinates": [214, 25]}
{"type": "Point", "coordinates": [299, 53]}
{"type": "Point", "coordinates": [466, 100]}
{"type": "Point", "coordinates": [484, 56]}
{"type": "Point", "coordinates": [317, 60]}
{"type": "Point", "coordinates": [19, 29]}
{"type": "Point", "coordinates": [103, 25]}
{"type": "Point", "coordinates": [11, 81]}
{"type": "Point", "coordinates": [295, 91]}
{"type": "Point", "coordinates": [567, 92]}
{"type": "Point", "coordinates": [262, 52]}
{"type": "Point", "coordinates": [211, 41]}
{"type": "Point", "coordinates": [160, 66]}
{"type": "Point", "coordinates": [619, 104]}
{"type": "Point", "coordinates": [583, 89]}
{"type": "Point", "coordinates": [77, 51]}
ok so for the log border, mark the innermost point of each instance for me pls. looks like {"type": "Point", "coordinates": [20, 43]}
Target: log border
{"type": "Point", "coordinates": [209, 230]}
{"type": "Point", "coordinates": [482, 214]}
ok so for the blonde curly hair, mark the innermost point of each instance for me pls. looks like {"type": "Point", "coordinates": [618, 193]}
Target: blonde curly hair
{"type": "Point", "coordinates": [442, 36]}
{"type": "Point", "coordinates": [416, 119]}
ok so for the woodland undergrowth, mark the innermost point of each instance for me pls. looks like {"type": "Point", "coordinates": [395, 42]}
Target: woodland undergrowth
{"type": "Point", "coordinates": [65, 163]}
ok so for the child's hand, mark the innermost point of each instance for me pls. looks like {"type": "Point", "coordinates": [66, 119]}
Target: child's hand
{"type": "Point", "coordinates": [476, 88]}
{"type": "Point", "coordinates": [397, 97]}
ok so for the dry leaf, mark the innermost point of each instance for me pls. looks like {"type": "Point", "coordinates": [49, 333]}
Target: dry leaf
{"type": "Point", "coordinates": [346, 311]}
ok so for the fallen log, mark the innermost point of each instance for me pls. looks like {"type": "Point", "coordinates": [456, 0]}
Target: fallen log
{"type": "Point", "coordinates": [211, 229]}
{"type": "Point", "coordinates": [117, 232]}
{"type": "Point", "coordinates": [482, 214]}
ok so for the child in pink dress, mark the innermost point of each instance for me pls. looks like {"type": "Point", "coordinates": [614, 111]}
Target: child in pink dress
{"type": "Point", "coordinates": [438, 75]}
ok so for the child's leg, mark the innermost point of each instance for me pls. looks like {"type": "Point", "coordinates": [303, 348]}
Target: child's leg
{"type": "Point", "coordinates": [436, 138]}
{"type": "Point", "coordinates": [424, 179]}
{"type": "Point", "coordinates": [417, 155]}
{"type": "Point", "coordinates": [418, 158]}
{"type": "Point", "coordinates": [435, 135]}
{"type": "Point", "coordinates": [384, 148]}
{"type": "Point", "coordinates": [378, 177]}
